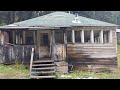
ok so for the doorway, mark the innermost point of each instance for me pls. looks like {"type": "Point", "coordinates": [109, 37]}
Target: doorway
{"type": "Point", "coordinates": [44, 51]}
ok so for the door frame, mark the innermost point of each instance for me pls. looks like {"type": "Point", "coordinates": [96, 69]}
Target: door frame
{"type": "Point", "coordinates": [38, 40]}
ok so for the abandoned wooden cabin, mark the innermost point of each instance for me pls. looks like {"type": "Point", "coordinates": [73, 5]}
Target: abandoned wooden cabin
{"type": "Point", "coordinates": [64, 38]}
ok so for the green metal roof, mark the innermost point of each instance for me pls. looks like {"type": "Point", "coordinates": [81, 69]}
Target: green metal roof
{"type": "Point", "coordinates": [59, 19]}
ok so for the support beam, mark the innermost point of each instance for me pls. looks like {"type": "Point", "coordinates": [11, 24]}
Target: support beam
{"type": "Point", "coordinates": [23, 37]}
{"type": "Point", "coordinates": [38, 42]}
{"type": "Point", "coordinates": [73, 36]}
{"type": "Point", "coordinates": [82, 36]}
{"type": "Point", "coordinates": [110, 36]}
{"type": "Point", "coordinates": [16, 38]}
{"type": "Point", "coordinates": [53, 36]}
{"type": "Point", "coordinates": [2, 37]}
{"type": "Point", "coordinates": [34, 37]}
{"type": "Point", "coordinates": [53, 47]}
{"type": "Point", "coordinates": [92, 36]}
{"type": "Point", "coordinates": [65, 37]}
{"type": "Point", "coordinates": [101, 36]}
{"type": "Point", "coordinates": [13, 37]}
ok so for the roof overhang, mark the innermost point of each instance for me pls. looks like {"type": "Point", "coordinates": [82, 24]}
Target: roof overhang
{"type": "Point", "coordinates": [27, 28]}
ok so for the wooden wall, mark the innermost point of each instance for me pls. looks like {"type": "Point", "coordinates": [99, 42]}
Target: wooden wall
{"type": "Point", "coordinates": [13, 54]}
{"type": "Point", "coordinates": [95, 56]}
{"type": "Point", "coordinates": [84, 55]}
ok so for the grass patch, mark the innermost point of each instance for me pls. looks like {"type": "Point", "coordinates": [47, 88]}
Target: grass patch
{"type": "Point", "coordinates": [17, 71]}
{"type": "Point", "coordinates": [88, 75]}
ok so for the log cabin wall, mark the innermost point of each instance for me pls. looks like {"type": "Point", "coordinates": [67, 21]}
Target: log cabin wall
{"type": "Point", "coordinates": [93, 55]}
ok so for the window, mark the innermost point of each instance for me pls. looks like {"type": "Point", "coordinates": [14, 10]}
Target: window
{"type": "Point", "coordinates": [29, 38]}
{"type": "Point", "coordinates": [106, 36]}
{"type": "Point", "coordinates": [44, 40]}
{"type": "Point", "coordinates": [59, 37]}
{"type": "Point", "coordinates": [69, 36]}
{"type": "Point", "coordinates": [87, 34]}
{"type": "Point", "coordinates": [96, 36]}
{"type": "Point", "coordinates": [78, 36]}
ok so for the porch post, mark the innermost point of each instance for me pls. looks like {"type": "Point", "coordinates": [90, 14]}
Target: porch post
{"type": "Point", "coordinates": [92, 36]}
{"type": "Point", "coordinates": [82, 36]}
{"type": "Point", "coordinates": [110, 36]}
{"type": "Point", "coordinates": [16, 39]}
{"type": "Point", "coordinates": [101, 36]}
{"type": "Point", "coordinates": [53, 45]}
{"type": "Point", "coordinates": [2, 37]}
{"type": "Point", "coordinates": [34, 37]}
{"type": "Point", "coordinates": [38, 42]}
{"type": "Point", "coordinates": [53, 36]}
{"type": "Point", "coordinates": [65, 45]}
{"type": "Point", "coordinates": [13, 37]}
{"type": "Point", "coordinates": [23, 37]}
{"type": "Point", "coordinates": [65, 37]}
{"type": "Point", "coordinates": [73, 36]}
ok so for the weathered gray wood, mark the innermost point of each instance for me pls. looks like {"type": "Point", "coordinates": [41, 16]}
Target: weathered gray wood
{"type": "Point", "coordinates": [31, 61]}
{"type": "Point", "coordinates": [82, 36]}
{"type": "Point", "coordinates": [40, 61]}
{"type": "Point", "coordinates": [73, 36]}
{"type": "Point", "coordinates": [101, 36]}
{"type": "Point", "coordinates": [92, 36]}
{"type": "Point", "coordinates": [13, 54]}
{"type": "Point", "coordinates": [42, 77]}
{"type": "Point", "coordinates": [80, 56]}
{"type": "Point", "coordinates": [45, 68]}
{"type": "Point", "coordinates": [2, 37]}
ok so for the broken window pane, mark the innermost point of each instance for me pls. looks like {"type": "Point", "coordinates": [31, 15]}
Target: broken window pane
{"type": "Point", "coordinates": [96, 36]}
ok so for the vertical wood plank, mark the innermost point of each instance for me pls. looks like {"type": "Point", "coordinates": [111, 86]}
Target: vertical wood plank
{"type": "Point", "coordinates": [73, 36]}
{"type": "Point", "coordinates": [2, 37]}
{"type": "Point", "coordinates": [34, 37]}
{"type": "Point", "coordinates": [101, 36]}
{"type": "Point", "coordinates": [110, 36]}
{"type": "Point", "coordinates": [31, 60]}
{"type": "Point", "coordinates": [82, 36]}
{"type": "Point", "coordinates": [13, 37]}
{"type": "Point", "coordinates": [92, 36]}
{"type": "Point", "coordinates": [23, 37]}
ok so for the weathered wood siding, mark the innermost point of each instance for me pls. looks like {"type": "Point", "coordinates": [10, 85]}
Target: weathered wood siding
{"type": "Point", "coordinates": [12, 54]}
{"type": "Point", "coordinates": [59, 52]}
{"type": "Point", "coordinates": [84, 56]}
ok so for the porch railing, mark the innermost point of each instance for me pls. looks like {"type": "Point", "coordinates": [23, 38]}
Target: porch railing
{"type": "Point", "coordinates": [10, 54]}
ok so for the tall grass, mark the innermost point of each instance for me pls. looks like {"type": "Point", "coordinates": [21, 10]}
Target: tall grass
{"type": "Point", "coordinates": [17, 71]}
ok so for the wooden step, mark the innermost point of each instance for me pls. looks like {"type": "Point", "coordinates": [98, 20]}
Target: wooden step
{"type": "Point", "coordinates": [43, 64]}
{"type": "Point", "coordinates": [43, 68]}
{"type": "Point", "coordinates": [40, 61]}
{"type": "Point", "coordinates": [38, 77]}
{"type": "Point", "coordinates": [42, 72]}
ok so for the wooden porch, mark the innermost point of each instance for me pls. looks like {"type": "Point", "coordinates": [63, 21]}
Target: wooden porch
{"type": "Point", "coordinates": [16, 45]}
